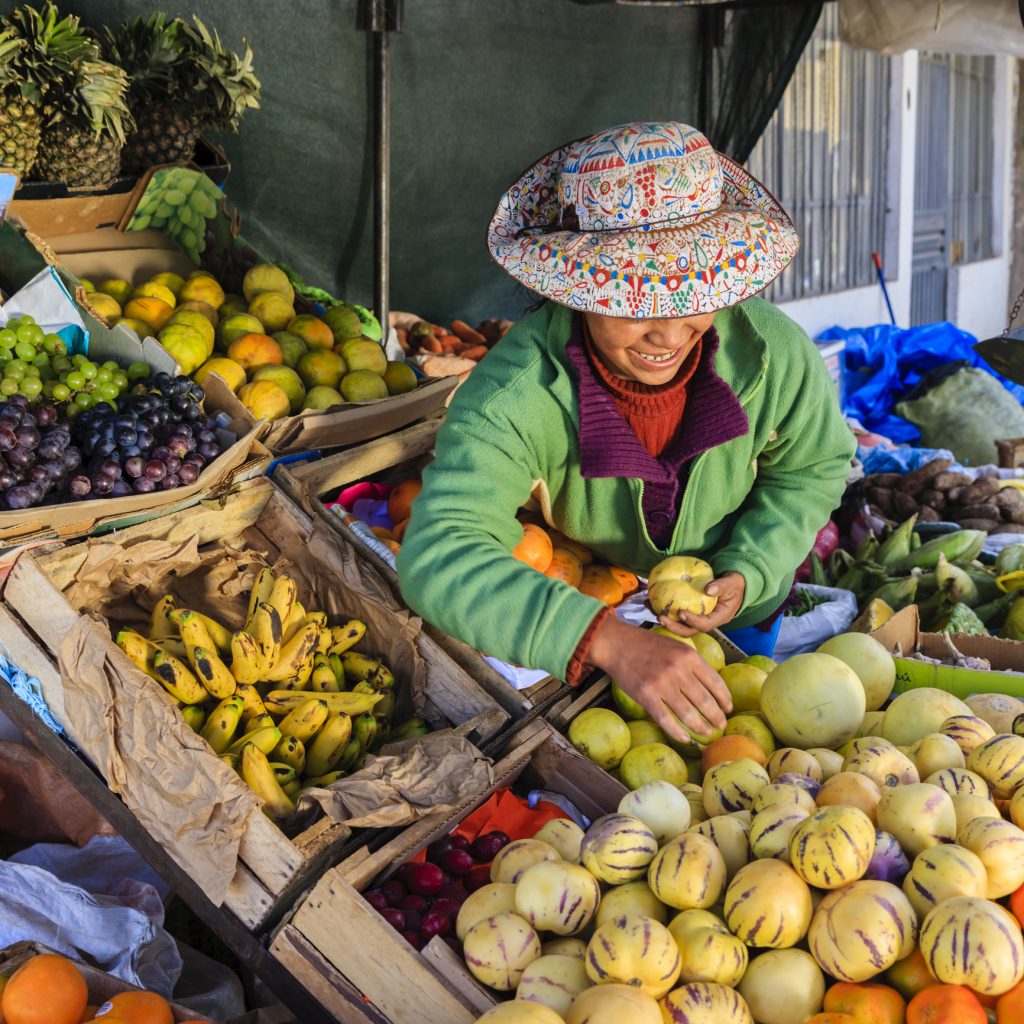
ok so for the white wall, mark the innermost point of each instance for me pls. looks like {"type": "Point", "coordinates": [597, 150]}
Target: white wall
{"type": "Point", "coordinates": [978, 292]}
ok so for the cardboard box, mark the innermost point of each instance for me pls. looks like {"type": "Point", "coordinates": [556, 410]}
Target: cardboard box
{"type": "Point", "coordinates": [902, 632]}
{"type": "Point", "coordinates": [20, 262]}
{"type": "Point", "coordinates": [388, 459]}
{"type": "Point", "coordinates": [37, 619]}
{"type": "Point", "coordinates": [358, 966]}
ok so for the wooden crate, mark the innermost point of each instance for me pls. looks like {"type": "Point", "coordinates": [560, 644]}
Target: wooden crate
{"type": "Point", "coordinates": [387, 460]}
{"type": "Point", "coordinates": [102, 986]}
{"type": "Point", "coordinates": [339, 947]}
{"type": "Point", "coordinates": [35, 618]}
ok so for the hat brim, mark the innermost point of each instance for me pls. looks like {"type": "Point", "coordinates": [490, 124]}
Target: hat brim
{"type": "Point", "coordinates": [671, 270]}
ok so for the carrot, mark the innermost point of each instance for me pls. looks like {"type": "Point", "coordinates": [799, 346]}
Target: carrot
{"type": "Point", "coordinates": [450, 343]}
{"type": "Point", "coordinates": [439, 332]}
{"type": "Point", "coordinates": [465, 333]}
{"type": "Point", "coordinates": [474, 352]}
{"type": "Point", "coordinates": [403, 339]}
{"type": "Point", "coordinates": [431, 345]}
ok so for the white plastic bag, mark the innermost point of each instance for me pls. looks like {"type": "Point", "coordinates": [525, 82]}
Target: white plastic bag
{"type": "Point", "coordinates": [799, 634]}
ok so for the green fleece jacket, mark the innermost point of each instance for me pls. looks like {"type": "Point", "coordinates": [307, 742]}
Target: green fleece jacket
{"type": "Point", "coordinates": [752, 505]}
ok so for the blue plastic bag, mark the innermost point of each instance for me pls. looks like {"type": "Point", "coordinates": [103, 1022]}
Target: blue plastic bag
{"type": "Point", "coordinates": [883, 363]}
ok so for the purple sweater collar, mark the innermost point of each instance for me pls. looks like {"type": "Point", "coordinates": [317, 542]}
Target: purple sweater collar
{"type": "Point", "coordinates": [609, 448]}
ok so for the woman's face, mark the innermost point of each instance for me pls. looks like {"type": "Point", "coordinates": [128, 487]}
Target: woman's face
{"type": "Point", "coordinates": [646, 351]}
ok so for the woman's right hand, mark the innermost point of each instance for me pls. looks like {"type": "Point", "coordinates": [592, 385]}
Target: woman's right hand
{"type": "Point", "coordinates": [670, 679]}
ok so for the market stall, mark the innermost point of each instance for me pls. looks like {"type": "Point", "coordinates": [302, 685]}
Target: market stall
{"type": "Point", "coordinates": [244, 780]}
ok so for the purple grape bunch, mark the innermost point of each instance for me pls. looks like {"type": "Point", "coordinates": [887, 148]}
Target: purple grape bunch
{"type": "Point", "coordinates": [157, 438]}
{"type": "Point", "coordinates": [36, 453]}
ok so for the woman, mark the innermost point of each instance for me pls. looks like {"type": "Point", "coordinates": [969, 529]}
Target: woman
{"type": "Point", "coordinates": [650, 406]}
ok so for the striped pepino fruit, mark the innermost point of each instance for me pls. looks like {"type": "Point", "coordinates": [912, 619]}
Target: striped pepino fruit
{"type": "Point", "coordinates": [634, 950]}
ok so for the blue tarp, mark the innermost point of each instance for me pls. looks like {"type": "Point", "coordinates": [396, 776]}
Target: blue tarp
{"type": "Point", "coordinates": [883, 363]}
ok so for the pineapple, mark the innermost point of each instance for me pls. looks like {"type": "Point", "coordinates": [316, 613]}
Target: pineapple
{"type": "Point", "coordinates": [36, 50]}
{"type": "Point", "coordinates": [183, 81]}
{"type": "Point", "coordinates": [57, 81]}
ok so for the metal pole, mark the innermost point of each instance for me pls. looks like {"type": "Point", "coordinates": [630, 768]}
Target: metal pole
{"type": "Point", "coordinates": [382, 17]}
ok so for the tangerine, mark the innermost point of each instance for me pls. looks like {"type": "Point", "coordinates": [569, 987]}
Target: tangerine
{"type": "Point", "coordinates": [398, 530]}
{"type": "Point", "coordinates": [400, 499]}
{"type": "Point", "coordinates": [565, 566]}
{"type": "Point", "coordinates": [534, 548]}
{"type": "Point", "coordinates": [626, 579]}
{"type": "Point", "coordinates": [136, 1007]}
{"type": "Point", "coordinates": [48, 989]}
{"type": "Point", "coordinates": [598, 582]}
{"type": "Point", "coordinates": [731, 748]}
{"type": "Point", "coordinates": [253, 350]}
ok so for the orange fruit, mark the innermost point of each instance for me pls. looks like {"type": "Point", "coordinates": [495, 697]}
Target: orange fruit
{"type": "Point", "coordinates": [48, 989]}
{"type": "Point", "coordinates": [253, 350]}
{"type": "Point", "coordinates": [565, 566]}
{"type": "Point", "coordinates": [136, 1008]}
{"type": "Point", "coordinates": [202, 288]}
{"type": "Point", "coordinates": [313, 331]}
{"type": "Point", "coordinates": [401, 498]}
{"type": "Point", "coordinates": [382, 532]}
{"type": "Point", "coordinates": [534, 548]}
{"type": "Point", "coordinates": [153, 312]}
{"type": "Point", "coordinates": [398, 530]}
{"type": "Point", "coordinates": [393, 546]}
{"type": "Point", "coordinates": [583, 553]}
{"type": "Point", "coordinates": [598, 582]}
{"type": "Point", "coordinates": [731, 748]}
{"type": "Point", "coordinates": [625, 579]}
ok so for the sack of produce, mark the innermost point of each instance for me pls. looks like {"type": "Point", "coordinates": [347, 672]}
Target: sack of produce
{"type": "Point", "coordinates": [969, 411]}
{"type": "Point", "coordinates": [815, 614]}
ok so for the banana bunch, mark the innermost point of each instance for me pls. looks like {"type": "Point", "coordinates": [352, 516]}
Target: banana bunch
{"type": "Point", "coordinates": [287, 701]}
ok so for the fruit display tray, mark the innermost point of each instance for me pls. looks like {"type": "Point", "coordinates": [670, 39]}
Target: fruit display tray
{"type": "Point", "coordinates": [387, 460]}
{"type": "Point", "coordinates": [272, 868]}
{"type": "Point", "coordinates": [358, 967]}
{"type": "Point", "coordinates": [102, 986]}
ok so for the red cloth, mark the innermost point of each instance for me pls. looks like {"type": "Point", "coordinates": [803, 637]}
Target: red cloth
{"type": "Point", "coordinates": [578, 662]}
{"type": "Point", "coordinates": [653, 412]}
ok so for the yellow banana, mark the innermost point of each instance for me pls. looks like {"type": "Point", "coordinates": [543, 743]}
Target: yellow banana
{"type": "Point", "coordinates": [296, 620]}
{"type": "Point", "coordinates": [320, 618]}
{"type": "Point", "coordinates": [366, 730]}
{"type": "Point", "coordinates": [193, 630]}
{"type": "Point", "coordinates": [323, 640]}
{"type": "Point", "coordinates": [281, 702]}
{"type": "Point", "coordinates": [220, 635]}
{"type": "Point", "coordinates": [324, 753]}
{"type": "Point", "coordinates": [246, 660]}
{"type": "Point", "coordinates": [160, 625]}
{"type": "Point", "coordinates": [290, 751]}
{"type": "Point", "coordinates": [212, 672]}
{"type": "Point", "coordinates": [259, 777]}
{"type": "Point", "coordinates": [265, 739]}
{"type": "Point", "coordinates": [264, 721]}
{"type": "Point", "coordinates": [140, 650]}
{"type": "Point", "coordinates": [282, 597]}
{"type": "Point", "coordinates": [346, 636]}
{"type": "Point", "coordinates": [173, 645]}
{"type": "Point", "coordinates": [301, 647]}
{"type": "Point", "coordinates": [261, 589]}
{"type": "Point", "coordinates": [284, 773]}
{"type": "Point", "coordinates": [194, 716]}
{"type": "Point", "coordinates": [300, 680]}
{"type": "Point", "coordinates": [231, 760]}
{"type": "Point", "coordinates": [266, 631]}
{"type": "Point", "coordinates": [305, 721]}
{"type": "Point", "coordinates": [222, 724]}
{"type": "Point", "coordinates": [322, 679]}
{"type": "Point", "coordinates": [350, 756]}
{"type": "Point", "coordinates": [381, 679]}
{"type": "Point", "coordinates": [253, 702]}
{"type": "Point", "coordinates": [385, 710]}
{"type": "Point", "coordinates": [321, 782]}
{"type": "Point", "coordinates": [177, 680]}
{"type": "Point", "coordinates": [358, 667]}
{"type": "Point", "coordinates": [293, 789]}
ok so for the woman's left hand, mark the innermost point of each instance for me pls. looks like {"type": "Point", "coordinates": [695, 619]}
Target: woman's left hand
{"type": "Point", "coordinates": [729, 589]}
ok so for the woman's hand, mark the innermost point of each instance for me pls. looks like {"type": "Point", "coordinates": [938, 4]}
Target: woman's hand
{"type": "Point", "coordinates": [671, 680]}
{"type": "Point", "coordinates": [729, 589]}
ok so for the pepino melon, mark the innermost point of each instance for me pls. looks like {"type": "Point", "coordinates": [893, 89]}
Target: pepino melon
{"type": "Point", "coordinates": [636, 951]}
{"type": "Point", "coordinates": [702, 1002]}
{"type": "Point", "coordinates": [688, 873]}
{"type": "Point", "coordinates": [554, 982]}
{"type": "Point", "coordinates": [709, 951]}
{"type": "Point", "coordinates": [618, 848]}
{"type": "Point", "coordinates": [614, 1004]}
{"type": "Point", "coordinates": [517, 1012]}
{"type": "Point", "coordinates": [1000, 762]}
{"type": "Point", "coordinates": [557, 897]}
{"type": "Point", "coordinates": [631, 898]}
{"type": "Point", "coordinates": [942, 872]}
{"type": "Point", "coordinates": [499, 949]}
{"type": "Point", "coordinates": [999, 845]}
{"type": "Point", "coordinates": [872, 663]}
{"type": "Point", "coordinates": [833, 847]}
{"type": "Point", "coordinates": [861, 930]}
{"type": "Point", "coordinates": [967, 941]}
{"type": "Point", "coordinates": [768, 904]}
{"type": "Point", "coordinates": [783, 986]}
{"type": "Point", "coordinates": [771, 830]}
{"type": "Point", "coordinates": [732, 786]}
{"type": "Point", "coordinates": [813, 700]}
{"type": "Point", "coordinates": [918, 712]}
{"type": "Point", "coordinates": [968, 731]}
{"type": "Point", "coordinates": [919, 816]}
{"type": "Point", "coordinates": [730, 835]}
{"type": "Point", "coordinates": [660, 806]}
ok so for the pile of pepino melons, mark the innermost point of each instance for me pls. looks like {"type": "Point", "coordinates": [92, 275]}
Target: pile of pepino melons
{"type": "Point", "coordinates": [871, 871]}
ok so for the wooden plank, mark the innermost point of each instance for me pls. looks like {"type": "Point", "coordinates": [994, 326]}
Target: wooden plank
{"type": "Point", "coordinates": [309, 967]}
{"type": "Point", "coordinates": [24, 651]}
{"type": "Point", "coordinates": [451, 967]}
{"type": "Point", "coordinates": [351, 935]}
{"type": "Point", "coordinates": [248, 900]}
{"type": "Point", "coordinates": [268, 853]}
{"type": "Point", "coordinates": [31, 594]}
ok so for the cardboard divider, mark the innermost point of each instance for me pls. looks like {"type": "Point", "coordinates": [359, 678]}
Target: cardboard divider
{"type": "Point", "coordinates": [336, 943]}
{"type": "Point", "coordinates": [903, 633]}
{"type": "Point", "coordinates": [388, 459]}
{"type": "Point", "coordinates": [37, 621]}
